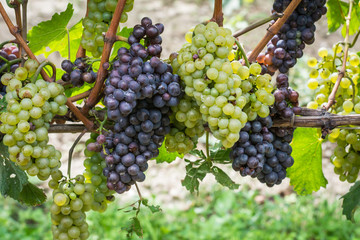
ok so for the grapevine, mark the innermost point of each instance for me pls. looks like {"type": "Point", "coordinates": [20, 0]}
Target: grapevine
{"type": "Point", "coordinates": [139, 106]}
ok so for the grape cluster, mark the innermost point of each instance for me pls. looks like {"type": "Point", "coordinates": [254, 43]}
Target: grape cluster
{"type": "Point", "coordinates": [94, 165]}
{"type": "Point", "coordinates": [261, 153]}
{"type": "Point", "coordinates": [135, 140]}
{"type": "Point", "coordinates": [31, 107]}
{"type": "Point", "coordinates": [151, 35]}
{"type": "Point", "coordinates": [71, 201]}
{"type": "Point", "coordinates": [9, 53]}
{"type": "Point", "coordinates": [187, 126]}
{"type": "Point", "coordinates": [286, 99]}
{"type": "Point", "coordinates": [78, 73]}
{"type": "Point", "coordinates": [288, 45]}
{"type": "Point", "coordinates": [323, 76]}
{"type": "Point", "coordinates": [135, 77]}
{"type": "Point", "coordinates": [100, 13]}
{"type": "Point", "coordinates": [226, 93]}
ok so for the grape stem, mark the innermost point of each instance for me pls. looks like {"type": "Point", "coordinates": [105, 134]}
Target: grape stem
{"type": "Point", "coordinates": [17, 34]}
{"type": "Point", "coordinates": [9, 63]}
{"type": "Point", "coordinates": [80, 96]}
{"type": "Point", "coordinates": [332, 96]}
{"type": "Point", "coordinates": [355, 39]}
{"type": "Point", "coordinates": [274, 29]}
{"type": "Point", "coordinates": [17, 10]}
{"type": "Point", "coordinates": [40, 68]}
{"type": "Point", "coordinates": [81, 52]}
{"type": "Point", "coordinates": [218, 15]}
{"type": "Point", "coordinates": [72, 150]}
{"type": "Point", "coordinates": [241, 49]}
{"type": "Point", "coordinates": [121, 39]}
{"type": "Point", "coordinates": [110, 37]}
{"type": "Point", "coordinates": [258, 24]}
{"type": "Point", "coordinates": [24, 19]}
{"type": "Point", "coordinates": [207, 146]}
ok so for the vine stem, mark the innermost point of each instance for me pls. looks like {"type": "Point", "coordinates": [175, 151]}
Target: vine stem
{"type": "Point", "coordinates": [81, 52]}
{"type": "Point", "coordinates": [138, 191]}
{"type": "Point", "coordinates": [72, 150]}
{"type": "Point", "coordinates": [243, 53]}
{"type": "Point", "coordinates": [80, 96]}
{"type": "Point", "coordinates": [207, 146]}
{"type": "Point", "coordinates": [258, 24]}
{"type": "Point", "coordinates": [15, 32]}
{"type": "Point", "coordinates": [332, 96]}
{"type": "Point", "coordinates": [41, 66]}
{"type": "Point", "coordinates": [24, 19]}
{"type": "Point", "coordinates": [110, 38]}
{"type": "Point", "coordinates": [274, 29]}
{"type": "Point", "coordinates": [88, 124]}
{"type": "Point", "coordinates": [218, 15]}
{"type": "Point", "coordinates": [18, 21]}
{"type": "Point", "coordinates": [9, 63]}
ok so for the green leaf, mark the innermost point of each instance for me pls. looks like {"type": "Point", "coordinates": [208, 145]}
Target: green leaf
{"type": "Point", "coordinates": [198, 153]}
{"type": "Point", "coordinates": [134, 226]}
{"type": "Point", "coordinates": [351, 201]}
{"type": "Point", "coordinates": [194, 175]}
{"type": "Point", "coordinates": [335, 12]}
{"type": "Point", "coordinates": [125, 32]}
{"type": "Point", "coordinates": [53, 34]}
{"type": "Point", "coordinates": [14, 182]}
{"type": "Point", "coordinates": [306, 174]}
{"type": "Point", "coordinates": [12, 178]}
{"type": "Point", "coordinates": [220, 156]}
{"type": "Point", "coordinates": [153, 208]}
{"type": "Point", "coordinates": [222, 178]}
{"type": "Point", "coordinates": [354, 21]}
{"type": "Point", "coordinates": [165, 156]}
{"type": "Point", "coordinates": [3, 105]}
{"type": "Point", "coordinates": [32, 195]}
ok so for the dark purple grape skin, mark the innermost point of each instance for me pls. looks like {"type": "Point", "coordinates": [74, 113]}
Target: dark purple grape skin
{"type": "Point", "coordinates": [67, 66]}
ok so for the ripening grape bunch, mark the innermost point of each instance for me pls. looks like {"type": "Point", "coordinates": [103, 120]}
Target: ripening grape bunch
{"type": "Point", "coordinates": [94, 167]}
{"type": "Point", "coordinates": [288, 44]}
{"type": "Point", "coordinates": [71, 199]}
{"type": "Point", "coordinates": [97, 21]}
{"type": "Point", "coordinates": [78, 72]}
{"type": "Point", "coordinates": [139, 94]}
{"type": "Point", "coordinates": [323, 76]}
{"type": "Point", "coordinates": [8, 53]}
{"type": "Point", "coordinates": [25, 123]}
{"type": "Point", "coordinates": [226, 93]}
{"type": "Point", "coordinates": [262, 153]}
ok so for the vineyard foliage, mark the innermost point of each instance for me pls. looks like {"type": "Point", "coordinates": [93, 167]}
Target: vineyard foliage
{"type": "Point", "coordinates": [303, 167]}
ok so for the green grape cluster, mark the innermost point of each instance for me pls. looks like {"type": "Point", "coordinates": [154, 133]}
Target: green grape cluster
{"type": "Point", "coordinates": [187, 126]}
{"type": "Point", "coordinates": [94, 165]}
{"type": "Point", "coordinates": [25, 123]}
{"type": "Point", "coordinates": [100, 13]}
{"type": "Point", "coordinates": [227, 93]}
{"type": "Point", "coordinates": [71, 201]}
{"type": "Point", "coordinates": [323, 76]}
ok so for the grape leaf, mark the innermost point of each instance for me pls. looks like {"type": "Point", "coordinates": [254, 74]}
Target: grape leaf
{"type": "Point", "coordinates": [3, 105]}
{"type": "Point", "coordinates": [32, 195]}
{"type": "Point", "coordinates": [222, 178]}
{"type": "Point", "coordinates": [351, 201]}
{"type": "Point", "coordinates": [335, 14]}
{"type": "Point", "coordinates": [354, 22]}
{"type": "Point", "coordinates": [194, 175]}
{"type": "Point", "coordinates": [165, 156]}
{"type": "Point", "coordinates": [53, 34]}
{"type": "Point", "coordinates": [14, 182]}
{"type": "Point", "coordinates": [153, 208]}
{"type": "Point", "coordinates": [125, 32]}
{"type": "Point", "coordinates": [306, 174]}
{"type": "Point", "coordinates": [198, 153]}
{"type": "Point", "coordinates": [133, 226]}
{"type": "Point", "coordinates": [220, 156]}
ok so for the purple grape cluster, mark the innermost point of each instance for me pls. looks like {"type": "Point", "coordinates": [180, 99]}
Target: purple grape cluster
{"type": "Point", "coordinates": [286, 99]}
{"type": "Point", "coordinates": [150, 33]}
{"type": "Point", "coordinates": [8, 53]}
{"type": "Point", "coordinates": [288, 45]}
{"type": "Point", "coordinates": [261, 153]}
{"type": "Point", "coordinates": [78, 73]}
{"type": "Point", "coordinates": [135, 140]}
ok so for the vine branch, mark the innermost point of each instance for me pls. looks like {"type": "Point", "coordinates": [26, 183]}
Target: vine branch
{"type": "Point", "coordinates": [331, 100]}
{"type": "Point", "coordinates": [72, 150]}
{"type": "Point", "coordinates": [218, 15]}
{"type": "Point", "coordinates": [274, 29]}
{"type": "Point", "coordinates": [110, 38]}
{"type": "Point", "coordinates": [258, 24]}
